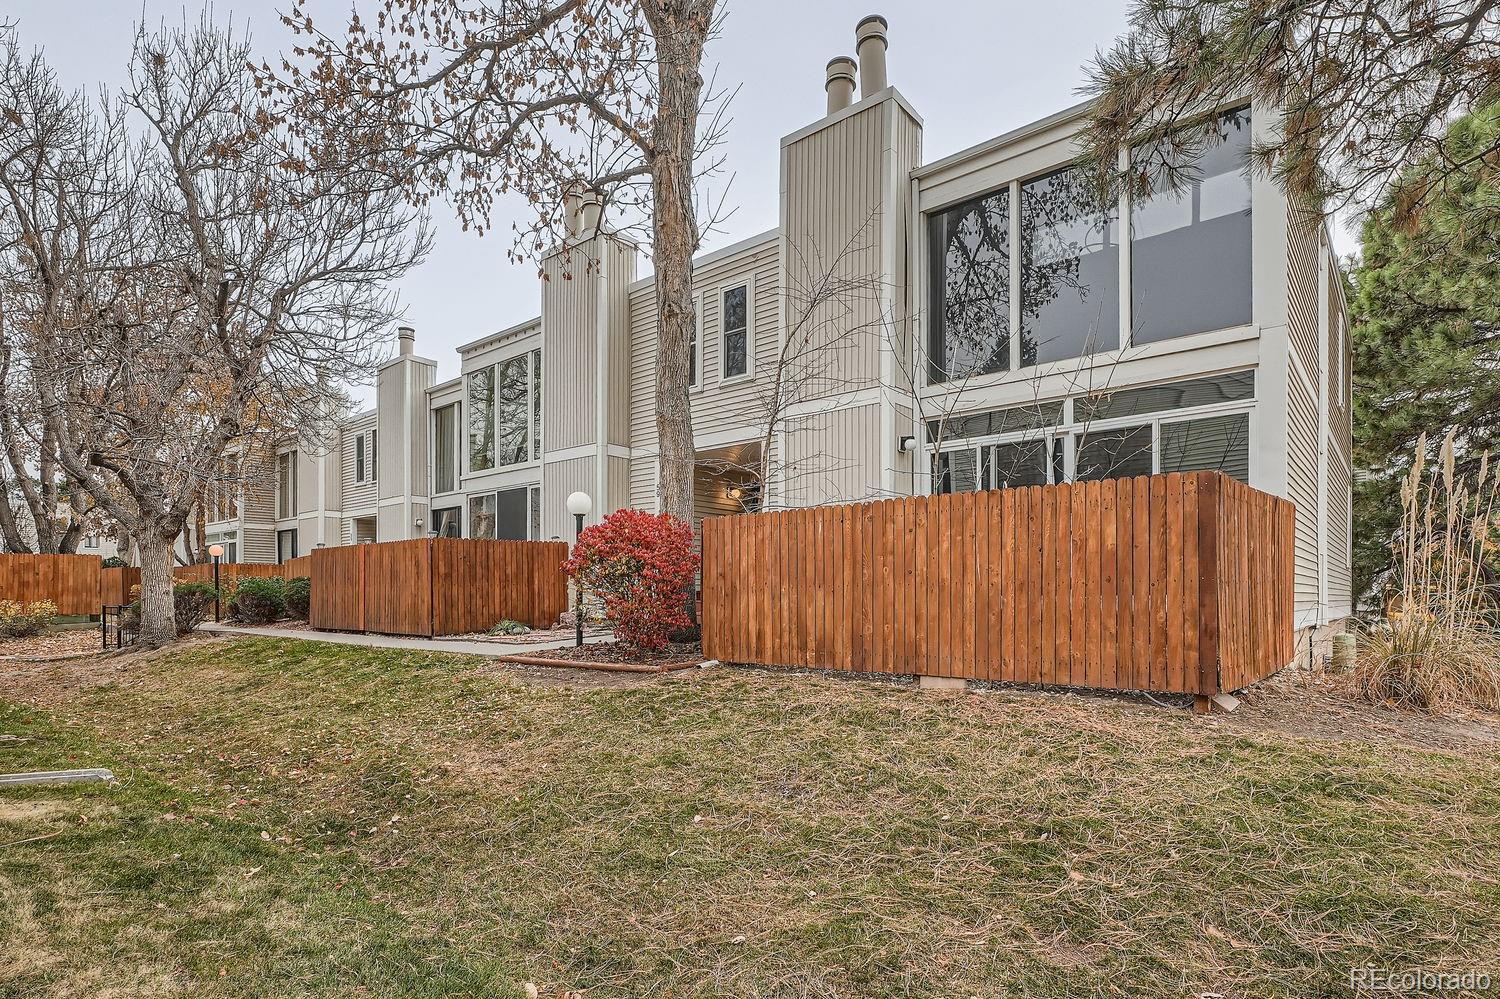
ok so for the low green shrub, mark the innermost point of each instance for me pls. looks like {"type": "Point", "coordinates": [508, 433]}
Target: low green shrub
{"type": "Point", "coordinates": [260, 600]}
{"type": "Point", "coordinates": [18, 620]}
{"type": "Point", "coordinates": [298, 595]}
{"type": "Point", "coordinates": [113, 562]}
{"type": "Point", "coordinates": [509, 627]}
{"type": "Point", "coordinates": [191, 603]}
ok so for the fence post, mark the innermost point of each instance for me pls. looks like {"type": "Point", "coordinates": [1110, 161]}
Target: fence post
{"type": "Point", "coordinates": [1210, 497]}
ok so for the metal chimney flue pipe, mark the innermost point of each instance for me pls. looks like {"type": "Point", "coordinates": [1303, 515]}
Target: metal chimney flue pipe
{"type": "Point", "coordinates": [840, 83]}
{"type": "Point", "coordinates": [870, 43]}
{"type": "Point", "coordinates": [589, 214]}
{"type": "Point", "coordinates": [406, 338]}
{"type": "Point", "coordinates": [573, 208]}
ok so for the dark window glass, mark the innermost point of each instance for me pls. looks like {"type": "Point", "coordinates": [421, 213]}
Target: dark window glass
{"type": "Point", "coordinates": [1214, 443]}
{"type": "Point", "coordinates": [448, 522]}
{"type": "Point", "coordinates": [482, 516]}
{"type": "Point", "coordinates": [1173, 395]}
{"type": "Point", "coordinates": [957, 471]}
{"type": "Point", "coordinates": [693, 351]}
{"type": "Point", "coordinates": [736, 347]}
{"type": "Point", "coordinates": [512, 519]}
{"type": "Point", "coordinates": [1190, 247]}
{"type": "Point", "coordinates": [482, 420]}
{"type": "Point", "coordinates": [512, 409]}
{"type": "Point", "coordinates": [286, 545]}
{"type": "Point", "coordinates": [1070, 275]}
{"type": "Point", "coordinates": [998, 421]}
{"type": "Point", "coordinates": [536, 513]}
{"type": "Point", "coordinates": [969, 274]}
{"type": "Point", "coordinates": [359, 458]}
{"type": "Point", "coordinates": [1023, 463]}
{"type": "Point", "coordinates": [1113, 454]}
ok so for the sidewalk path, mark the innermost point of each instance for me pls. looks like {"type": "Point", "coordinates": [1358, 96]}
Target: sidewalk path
{"type": "Point", "coordinates": [492, 649]}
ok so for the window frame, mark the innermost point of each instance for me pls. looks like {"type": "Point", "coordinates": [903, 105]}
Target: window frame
{"type": "Point", "coordinates": [290, 532]}
{"type": "Point", "coordinates": [535, 393]}
{"type": "Point", "coordinates": [1104, 353]}
{"type": "Point", "coordinates": [288, 458]}
{"type": "Point", "coordinates": [748, 284]}
{"type": "Point", "coordinates": [696, 380]}
{"type": "Point", "coordinates": [458, 445]}
{"type": "Point", "coordinates": [1069, 431]}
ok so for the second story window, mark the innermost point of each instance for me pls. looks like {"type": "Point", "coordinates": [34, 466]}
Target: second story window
{"type": "Point", "coordinates": [513, 410]}
{"type": "Point", "coordinates": [1070, 269]}
{"type": "Point", "coordinates": [445, 449]}
{"type": "Point", "coordinates": [1190, 247]}
{"type": "Point", "coordinates": [736, 339]}
{"type": "Point", "coordinates": [364, 457]}
{"type": "Point", "coordinates": [286, 485]}
{"type": "Point", "coordinates": [505, 413]}
{"type": "Point", "coordinates": [482, 420]}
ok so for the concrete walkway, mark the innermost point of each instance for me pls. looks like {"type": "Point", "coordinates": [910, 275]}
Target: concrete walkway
{"type": "Point", "coordinates": [491, 649]}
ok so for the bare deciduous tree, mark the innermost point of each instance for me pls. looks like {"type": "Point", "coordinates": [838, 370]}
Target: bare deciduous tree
{"type": "Point", "coordinates": [221, 291]}
{"type": "Point", "coordinates": [537, 98]}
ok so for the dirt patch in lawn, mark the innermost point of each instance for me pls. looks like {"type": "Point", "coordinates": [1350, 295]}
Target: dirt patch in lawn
{"type": "Point", "coordinates": [618, 655]}
{"type": "Point", "coordinates": [1321, 705]}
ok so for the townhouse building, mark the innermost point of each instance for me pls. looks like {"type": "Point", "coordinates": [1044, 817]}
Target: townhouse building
{"type": "Point", "coordinates": [974, 321]}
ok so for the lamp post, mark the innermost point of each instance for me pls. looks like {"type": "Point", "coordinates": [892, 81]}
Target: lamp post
{"type": "Point", "coordinates": [217, 551]}
{"type": "Point", "coordinates": [579, 506]}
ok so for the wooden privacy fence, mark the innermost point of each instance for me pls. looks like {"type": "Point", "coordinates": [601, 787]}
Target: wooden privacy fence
{"type": "Point", "coordinates": [1173, 583]}
{"type": "Point", "coordinates": [438, 586]}
{"type": "Point", "coordinates": [230, 573]}
{"type": "Point", "coordinates": [69, 581]}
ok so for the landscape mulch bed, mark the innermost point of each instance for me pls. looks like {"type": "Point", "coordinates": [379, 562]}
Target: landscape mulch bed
{"type": "Point", "coordinates": [616, 656]}
{"type": "Point", "coordinates": [52, 644]}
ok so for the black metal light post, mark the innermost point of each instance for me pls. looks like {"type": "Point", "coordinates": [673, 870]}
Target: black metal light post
{"type": "Point", "coordinates": [217, 552]}
{"type": "Point", "coordinates": [579, 505]}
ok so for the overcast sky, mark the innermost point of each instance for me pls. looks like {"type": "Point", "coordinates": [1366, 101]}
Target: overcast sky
{"type": "Point", "coordinates": [972, 69]}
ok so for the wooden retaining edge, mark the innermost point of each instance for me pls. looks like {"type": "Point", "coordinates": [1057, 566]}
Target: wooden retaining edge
{"type": "Point", "coordinates": [606, 667]}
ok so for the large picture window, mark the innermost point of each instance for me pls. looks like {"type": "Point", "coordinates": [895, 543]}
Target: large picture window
{"type": "Point", "coordinates": [513, 410]}
{"type": "Point", "coordinates": [969, 261]}
{"type": "Point", "coordinates": [482, 420]}
{"type": "Point", "coordinates": [1190, 246]}
{"type": "Point", "coordinates": [1070, 269]}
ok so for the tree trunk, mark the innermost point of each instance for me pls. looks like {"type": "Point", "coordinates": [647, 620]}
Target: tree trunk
{"type": "Point", "coordinates": [680, 30]}
{"type": "Point", "coordinates": [158, 613]}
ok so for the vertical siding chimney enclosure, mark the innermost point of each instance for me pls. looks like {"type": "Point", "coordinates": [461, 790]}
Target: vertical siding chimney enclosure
{"type": "Point", "coordinates": [840, 83]}
{"type": "Point", "coordinates": [870, 44]}
{"type": "Point", "coordinates": [406, 337]}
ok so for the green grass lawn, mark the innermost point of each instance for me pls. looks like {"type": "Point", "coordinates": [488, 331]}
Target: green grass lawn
{"type": "Point", "coordinates": [297, 819]}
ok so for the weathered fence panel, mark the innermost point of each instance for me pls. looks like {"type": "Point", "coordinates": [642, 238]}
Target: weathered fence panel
{"type": "Point", "coordinates": [443, 586]}
{"type": "Point", "coordinates": [479, 583]}
{"type": "Point", "coordinates": [115, 585]}
{"type": "Point", "coordinates": [398, 583]}
{"type": "Point", "coordinates": [1173, 583]}
{"type": "Point", "coordinates": [69, 581]}
{"type": "Point", "coordinates": [338, 588]}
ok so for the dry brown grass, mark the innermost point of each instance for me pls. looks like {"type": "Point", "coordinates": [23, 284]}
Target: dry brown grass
{"type": "Point", "coordinates": [299, 819]}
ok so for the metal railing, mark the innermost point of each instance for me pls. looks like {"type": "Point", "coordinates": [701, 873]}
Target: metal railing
{"type": "Point", "coordinates": [122, 637]}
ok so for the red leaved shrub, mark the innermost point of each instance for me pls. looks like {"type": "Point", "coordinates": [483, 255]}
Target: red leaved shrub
{"type": "Point", "coordinates": [641, 566]}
